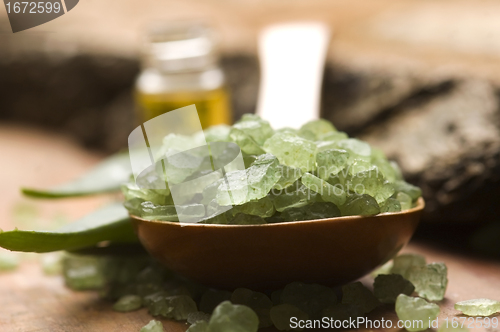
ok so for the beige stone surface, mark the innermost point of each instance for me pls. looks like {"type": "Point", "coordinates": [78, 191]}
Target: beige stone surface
{"type": "Point", "coordinates": [30, 157]}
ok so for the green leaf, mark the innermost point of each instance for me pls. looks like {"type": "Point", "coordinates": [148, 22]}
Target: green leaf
{"type": "Point", "coordinates": [107, 176]}
{"type": "Point", "coordinates": [110, 223]}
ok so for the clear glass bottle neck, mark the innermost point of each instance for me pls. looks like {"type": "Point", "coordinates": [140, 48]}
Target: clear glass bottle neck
{"type": "Point", "coordinates": [180, 48]}
{"type": "Point", "coordinates": [154, 81]}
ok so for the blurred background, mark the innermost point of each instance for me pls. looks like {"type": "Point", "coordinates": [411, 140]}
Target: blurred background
{"type": "Point", "coordinates": [418, 79]}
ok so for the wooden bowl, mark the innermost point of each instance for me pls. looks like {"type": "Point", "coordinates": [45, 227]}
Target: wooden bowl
{"type": "Point", "coordinates": [327, 251]}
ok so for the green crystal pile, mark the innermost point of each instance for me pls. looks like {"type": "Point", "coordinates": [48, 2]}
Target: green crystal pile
{"type": "Point", "coordinates": [128, 303]}
{"type": "Point", "coordinates": [84, 272]}
{"type": "Point", "coordinates": [152, 326]}
{"type": "Point", "coordinates": [8, 261]}
{"type": "Point", "coordinates": [260, 303]}
{"type": "Point", "coordinates": [448, 327]}
{"type": "Point", "coordinates": [311, 299]}
{"type": "Point", "coordinates": [387, 287]}
{"type": "Point", "coordinates": [290, 175]}
{"type": "Point", "coordinates": [403, 263]}
{"type": "Point", "coordinates": [478, 307]}
{"type": "Point", "coordinates": [140, 282]}
{"type": "Point", "coordinates": [357, 295]}
{"type": "Point", "coordinates": [414, 309]}
{"type": "Point", "coordinates": [430, 280]}
{"type": "Point", "coordinates": [281, 314]}
{"type": "Point", "coordinates": [233, 318]}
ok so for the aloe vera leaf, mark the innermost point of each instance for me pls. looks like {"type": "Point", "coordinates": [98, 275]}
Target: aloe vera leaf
{"type": "Point", "coordinates": [110, 223]}
{"type": "Point", "coordinates": [107, 176]}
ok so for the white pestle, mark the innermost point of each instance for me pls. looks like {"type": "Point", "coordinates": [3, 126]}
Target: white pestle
{"type": "Point", "coordinates": [292, 58]}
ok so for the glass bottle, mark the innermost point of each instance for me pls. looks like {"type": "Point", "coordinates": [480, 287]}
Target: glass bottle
{"type": "Point", "coordinates": [180, 68]}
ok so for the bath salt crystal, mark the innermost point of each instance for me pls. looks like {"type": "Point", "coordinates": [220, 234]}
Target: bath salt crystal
{"type": "Point", "coordinates": [478, 307]}
{"type": "Point", "coordinates": [414, 310]}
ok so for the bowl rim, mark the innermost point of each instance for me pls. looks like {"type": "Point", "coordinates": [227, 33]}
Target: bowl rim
{"type": "Point", "coordinates": [419, 207]}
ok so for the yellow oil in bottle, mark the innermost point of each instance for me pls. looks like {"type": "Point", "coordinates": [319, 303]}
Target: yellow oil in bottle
{"type": "Point", "coordinates": [180, 68]}
{"type": "Point", "coordinates": [212, 106]}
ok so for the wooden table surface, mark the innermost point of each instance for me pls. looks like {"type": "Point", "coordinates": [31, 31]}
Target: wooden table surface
{"type": "Point", "coordinates": [31, 301]}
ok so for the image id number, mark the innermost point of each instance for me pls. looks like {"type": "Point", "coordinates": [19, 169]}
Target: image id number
{"type": "Point", "coordinates": [33, 7]}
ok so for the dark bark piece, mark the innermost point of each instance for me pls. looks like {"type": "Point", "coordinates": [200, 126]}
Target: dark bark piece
{"type": "Point", "coordinates": [450, 147]}
{"type": "Point", "coordinates": [353, 98]}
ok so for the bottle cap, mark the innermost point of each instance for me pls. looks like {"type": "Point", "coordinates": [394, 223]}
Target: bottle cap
{"type": "Point", "coordinates": [180, 46]}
